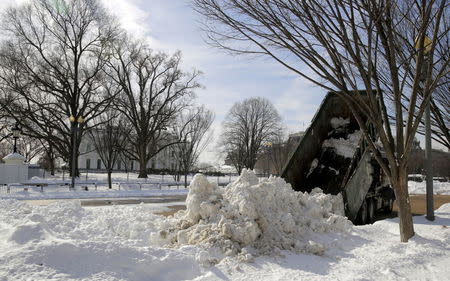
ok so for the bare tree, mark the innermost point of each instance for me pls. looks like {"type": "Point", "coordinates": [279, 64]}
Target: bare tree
{"type": "Point", "coordinates": [5, 128]}
{"type": "Point", "coordinates": [48, 158]}
{"type": "Point", "coordinates": [194, 135]}
{"type": "Point", "coordinates": [440, 117]}
{"type": "Point", "coordinates": [30, 148]}
{"type": "Point", "coordinates": [5, 121]}
{"type": "Point", "coordinates": [154, 91]}
{"type": "Point", "coordinates": [440, 99]}
{"type": "Point", "coordinates": [247, 126]}
{"type": "Point", "coordinates": [235, 153]}
{"type": "Point", "coordinates": [350, 45]}
{"type": "Point", "coordinates": [51, 62]}
{"type": "Point", "coordinates": [109, 140]}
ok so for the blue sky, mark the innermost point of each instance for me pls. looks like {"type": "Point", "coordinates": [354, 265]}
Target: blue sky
{"type": "Point", "coordinates": [173, 25]}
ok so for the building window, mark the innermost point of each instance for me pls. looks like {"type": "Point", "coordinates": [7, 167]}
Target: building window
{"type": "Point", "coordinates": [99, 164]}
{"type": "Point", "coordinates": [173, 153]}
{"type": "Point", "coordinates": [88, 147]}
{"type": "Point", "coordinates": [88, 163]}
{"type": "Point", "coordinates": [153, 164]}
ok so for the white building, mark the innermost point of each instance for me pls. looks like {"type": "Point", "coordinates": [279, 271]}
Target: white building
{"type": "Point", "coordinates": [89, 159]}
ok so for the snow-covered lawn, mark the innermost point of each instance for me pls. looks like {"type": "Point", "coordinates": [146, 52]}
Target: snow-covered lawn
{"type": "Point", "coordinates": [133, 177]}
{"type": "Point", "coordinates": [249, 231]}
{"type": "Point", "coordinates": [439, 188]}
{"type": "Point", "coordinates": [123, 186]}
{"type": "Point", "coordinates": [34, 193]}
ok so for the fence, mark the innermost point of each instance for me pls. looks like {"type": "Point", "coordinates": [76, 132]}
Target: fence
{"type": "Point", "coordinates": [85, 186]}
{"type": "Point", "coordinates": [97, 182]}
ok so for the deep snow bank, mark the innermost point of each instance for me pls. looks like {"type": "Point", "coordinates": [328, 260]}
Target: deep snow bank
{"type": "Point", "coordinates": [249, 217]}
{"type": "Point", "coordinates": [64, 241]}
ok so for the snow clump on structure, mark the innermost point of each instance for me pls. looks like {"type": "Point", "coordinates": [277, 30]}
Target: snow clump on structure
{"type": "Point", "coordinates": [251, 217]}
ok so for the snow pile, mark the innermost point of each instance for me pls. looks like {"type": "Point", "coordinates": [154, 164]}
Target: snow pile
{"type": "Point", "coordinates": [345, 147]}
{"type": "Point", "coordinates": [439, 188]}
{"type": "Point", "coordinates": [249, 218]}
{"type": "Point", "coordinates": [313, 166]}
{"type": "Point", "coordinates": [337, 122]}
{"type": "Point", "coordinates": [64, 241]}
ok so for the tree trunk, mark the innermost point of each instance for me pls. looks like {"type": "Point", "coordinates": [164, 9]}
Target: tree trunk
{"type": "Point", "coordinates": [52, 166]}
{"type": "Point", "coordinates": [185, 180]}
{"type": "Point", "coordinates": [142, 168]}
{"type": "Point", "coordinates": [404, 206]}
{"type": "Point", "coordinates": [109, 179]}
{"type": "Point", "coordinates": [77, 171]}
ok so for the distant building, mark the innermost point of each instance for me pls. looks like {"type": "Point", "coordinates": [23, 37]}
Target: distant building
{"type": "Point", "coordinates": [89, 159]}
{"type": "Point", "coordinates": [440, 161]}
{"type": "Point", "coordinates": [295, 138]}
{"type": "Point", "coordinates": [273, 158]}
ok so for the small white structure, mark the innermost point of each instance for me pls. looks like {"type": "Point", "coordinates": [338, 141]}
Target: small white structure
{"type": "Point", "coordinates": [14, 170]}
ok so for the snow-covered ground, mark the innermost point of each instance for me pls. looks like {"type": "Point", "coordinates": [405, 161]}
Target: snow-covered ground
{"type": "Point", "coordinates": [124, 186]}
{"type": "Point", "coordinates": [57, 189]}
{"type": "Point", "coordinates": [439, 188]}
{"type": "Point", "coordinates": [307, 240]}
{"type": "Point", "coordinates": [133, 177]}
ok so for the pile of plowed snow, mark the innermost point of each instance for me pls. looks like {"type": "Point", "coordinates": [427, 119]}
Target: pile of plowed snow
{"type": "Point", "coordinates": [251, 217]}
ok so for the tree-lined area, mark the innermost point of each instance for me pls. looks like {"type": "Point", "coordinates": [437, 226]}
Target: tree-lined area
{"type": "Point", "coordinates": [69, 72]}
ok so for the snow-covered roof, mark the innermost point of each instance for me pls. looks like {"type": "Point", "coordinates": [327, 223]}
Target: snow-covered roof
{"type": "Point", "coordinates": [14, 156]}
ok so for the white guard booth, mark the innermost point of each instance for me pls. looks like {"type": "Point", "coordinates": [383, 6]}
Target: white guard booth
{"type": "Point", "coordinates": [14, 170]}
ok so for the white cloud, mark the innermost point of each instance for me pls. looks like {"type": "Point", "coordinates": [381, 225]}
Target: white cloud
{"type": "Point", "coordinates": [132, 18]}
{"type": "Point", "coordinates": [298, 104]}
{"type": "Point", "coordinates": [8, 3]}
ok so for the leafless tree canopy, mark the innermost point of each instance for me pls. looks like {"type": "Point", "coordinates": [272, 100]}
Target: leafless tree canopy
{"type": "Point", "coordinates": [247, 126]}
{"type": "Point", "coordinates": [440, 109]}
{"type": "Point", "coordinates": [193, 132]}
{"type": "Point", "coordinates": [350, 45]}
{"type": "Point", "coordinates": [440, 104]}
{"type": "Point", "coordinates": [154, 90]}
{"type": "Point", "coordinates": [109, 139]}
{"type": "Point", "coordinates": [51, 63]}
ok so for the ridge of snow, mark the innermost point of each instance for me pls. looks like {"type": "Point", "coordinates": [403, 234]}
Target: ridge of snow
{"type": "Point", "coordinates": [337, 122]}
{"type": "Point", "coordinates": [251, 217]}
{"type": "Point", "coordinates": [344, 147]}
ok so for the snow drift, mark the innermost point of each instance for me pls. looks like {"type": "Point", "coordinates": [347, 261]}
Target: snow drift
{"type": "Point", "coordinates": [249, 217]}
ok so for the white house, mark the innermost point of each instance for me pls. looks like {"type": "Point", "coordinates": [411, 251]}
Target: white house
{"type": "Point", "coordinates": [89, 159]}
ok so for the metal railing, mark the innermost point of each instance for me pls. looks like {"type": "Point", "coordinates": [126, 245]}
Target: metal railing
{"type": "Point", "coordinates": [88, 186]}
